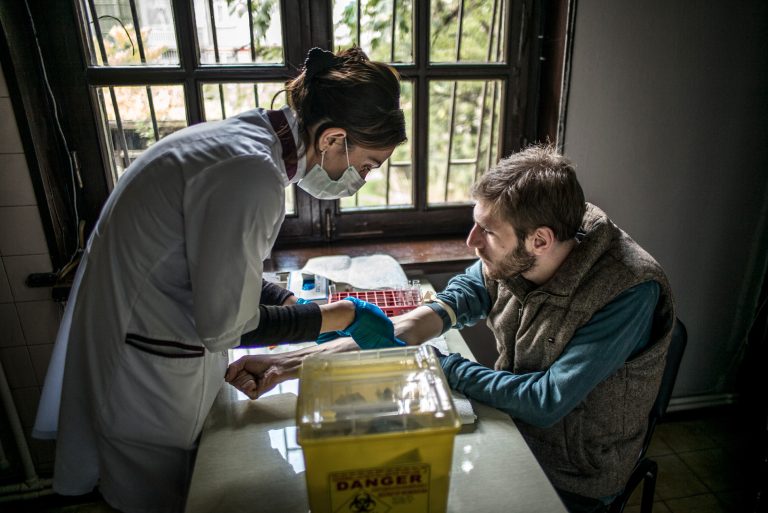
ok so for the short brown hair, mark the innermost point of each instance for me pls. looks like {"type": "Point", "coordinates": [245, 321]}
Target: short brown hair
{"type": "Point", "coordinates": [349, 91]}
{"type": "Point", "coordinates": [535, 187]}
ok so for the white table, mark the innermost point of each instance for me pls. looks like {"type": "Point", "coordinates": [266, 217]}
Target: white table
{"type": "Point", "coordinates": [248, 460]}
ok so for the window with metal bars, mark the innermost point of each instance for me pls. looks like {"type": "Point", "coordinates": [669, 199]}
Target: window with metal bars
{"type": "Point", "coordinates": [469, 71]}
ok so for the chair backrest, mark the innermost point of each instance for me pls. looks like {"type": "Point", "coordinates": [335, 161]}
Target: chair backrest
{"type": "Point", "coordinates": [674, 357]}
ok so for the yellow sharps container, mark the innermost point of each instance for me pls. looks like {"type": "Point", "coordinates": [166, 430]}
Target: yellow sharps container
{"type": "Point", "coordinates": [377, 430]}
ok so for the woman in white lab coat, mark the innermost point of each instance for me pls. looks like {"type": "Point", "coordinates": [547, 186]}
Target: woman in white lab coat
{"type": "Point", "coordinates": [172, 277]}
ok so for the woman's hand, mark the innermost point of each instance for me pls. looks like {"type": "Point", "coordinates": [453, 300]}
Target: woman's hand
{"type": "Point", "coordinates": [371, 329]}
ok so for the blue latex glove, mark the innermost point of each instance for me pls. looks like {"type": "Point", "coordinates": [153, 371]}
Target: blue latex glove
{"type": "Point", "coordinates": [331, 335]}
{"type": "Point", "coordinates": [371, 328]}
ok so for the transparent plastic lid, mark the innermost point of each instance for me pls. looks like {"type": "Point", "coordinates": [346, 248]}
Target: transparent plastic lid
{"type": "Point", "coordinates": [373, 392]}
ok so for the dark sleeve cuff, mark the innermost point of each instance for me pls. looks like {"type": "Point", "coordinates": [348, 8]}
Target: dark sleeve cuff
{"type": "Point", "coordinates": [439, 310]}
{"type": "Point", "coordinates": [272, 294]}
{"type": "Point", "coordinates": [285, 324]}
{"type": "Point", "coordinates": [448, 363]}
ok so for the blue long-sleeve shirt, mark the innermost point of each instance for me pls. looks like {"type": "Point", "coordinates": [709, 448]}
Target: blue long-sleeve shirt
{"type": "Point", "coordinates": [613, 335]}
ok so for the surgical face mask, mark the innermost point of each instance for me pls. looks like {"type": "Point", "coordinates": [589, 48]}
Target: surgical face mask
{"type": "Point", "coordinates": [317, 182]}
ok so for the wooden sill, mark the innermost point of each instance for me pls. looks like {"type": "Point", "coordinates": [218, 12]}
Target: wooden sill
{"type": "Point", "coordinates": [427, 256]}
{"type": "Point", "coordinates": [433, 255]}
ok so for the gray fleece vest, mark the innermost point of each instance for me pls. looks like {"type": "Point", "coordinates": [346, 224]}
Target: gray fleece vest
{"type": "Point", "coordinates": [592, 450]}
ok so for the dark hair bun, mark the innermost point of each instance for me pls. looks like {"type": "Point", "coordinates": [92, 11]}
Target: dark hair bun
{"type": "Point", "coordinates": [347, 90]}
{"type": "Point", "coordinates": [318, 60]}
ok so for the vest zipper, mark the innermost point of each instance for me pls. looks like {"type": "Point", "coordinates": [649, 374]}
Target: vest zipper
{"type": "Point", "coordinates": [525, 300]}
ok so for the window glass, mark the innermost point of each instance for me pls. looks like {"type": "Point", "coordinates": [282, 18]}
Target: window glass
{"type": "Point", "coordinates": [131, 32]}
{"type": "Point", "coordinates": [466, 31]}
{"type": "Point", "coordinates": [382, 28]}
{"type": "Point", "coordinates": [464, 134]}
{"type": "Point", "coordinates": [135, 117]}
{"type": "Point", "coordinates": [160, 70]}
{"type": "Point", "coordinates": [239, 31]}
{"type": "Point", "coordinates": [223, 100]}
{"type": "Point", "coordinates": [392, 184]}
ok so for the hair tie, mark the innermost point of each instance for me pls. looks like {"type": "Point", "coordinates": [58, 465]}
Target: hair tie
{"type": "Point", "coordinates": [318, 60]}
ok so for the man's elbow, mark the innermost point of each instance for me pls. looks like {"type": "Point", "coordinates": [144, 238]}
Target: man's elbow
{"type": "Point", "coordinates": [545, 417]}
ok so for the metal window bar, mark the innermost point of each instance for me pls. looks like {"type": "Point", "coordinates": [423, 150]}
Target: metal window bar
{"type": "Point", "coordinates": [250, 31]}
{"type": "Point", "coordinates": [214, 35]}
{"type": "Point", "coordinates": [459, 31]}
{"type": "Point", "coordinates": [222, 104]}
{"type": "Point", "coordinates": [359, 21]}
{"type": "Point", "coordinates": [386, 187]}
{"type": "Point", "coordinates": [496, 32]}
{"type": "Point", "coordinates": [489, 155]}
{"type": "Point", "coordinates": [496, 86]}
{"type": "Point", "coordinates": [392, 59]}
{"type": "Point", "coordinates": [485, 95]}
{"type": "Point", "coordinates": [97, 26]}
{"type": "Point", "coordinates": [453, 105]}
{"type": "Point", "coordinates": [216, 56]}
{"type": "Point", "coordinates": [100, 40]}
{"type": "Point", "coordinates": [480, 128]}
{"type": "Point", "coordinates": [88, 35]}
{"type": "Point", "coordinates": [143, 59]}
{"type": "Point", "coordinates": [120, 132]}
{"type": "Point", "coordinates": [393, 164]}
{"type": "Point", "coordinates": [451, 124]}
{"type": "Point", "coordinates": [497, 36]}
{"type": "Point", "coordinates": [393, 29]}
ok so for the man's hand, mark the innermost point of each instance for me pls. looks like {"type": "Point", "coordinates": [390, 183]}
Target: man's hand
{"type": "Point", "coordinates": [255, 375]}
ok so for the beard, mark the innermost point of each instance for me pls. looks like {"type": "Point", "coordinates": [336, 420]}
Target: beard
{"type": "Point", "coordinates": [515, 262]}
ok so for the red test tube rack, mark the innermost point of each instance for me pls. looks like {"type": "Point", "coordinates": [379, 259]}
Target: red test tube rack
{"type": "Point", "coordinates": [392, 302]}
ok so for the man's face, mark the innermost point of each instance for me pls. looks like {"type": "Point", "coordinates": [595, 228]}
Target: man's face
{"type": "Point", "coordinates": [495, 242]}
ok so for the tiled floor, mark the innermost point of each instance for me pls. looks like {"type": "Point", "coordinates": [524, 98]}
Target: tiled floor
{"type": "Point", "coordinates": [702, 464]}
{"type": "Point", "coordinates": [700, 457]}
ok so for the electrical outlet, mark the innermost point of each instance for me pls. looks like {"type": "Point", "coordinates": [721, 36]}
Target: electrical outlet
{"type": "Point", "coordinates": [41, 280]}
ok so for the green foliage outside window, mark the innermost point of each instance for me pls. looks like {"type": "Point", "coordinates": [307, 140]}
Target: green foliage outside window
{"type": "Point", "coordinates": [464, 115]}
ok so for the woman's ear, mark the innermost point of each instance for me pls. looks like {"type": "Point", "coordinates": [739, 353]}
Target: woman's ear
{"type": "Point", "coordinates": [329, 137]}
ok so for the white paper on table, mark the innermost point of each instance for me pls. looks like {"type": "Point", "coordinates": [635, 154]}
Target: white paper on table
{"type": "Point", "coordinates": [363, 272]}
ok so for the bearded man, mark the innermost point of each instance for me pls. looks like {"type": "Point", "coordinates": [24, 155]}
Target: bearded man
{"type": "Point", "coordinates": [582, 317]}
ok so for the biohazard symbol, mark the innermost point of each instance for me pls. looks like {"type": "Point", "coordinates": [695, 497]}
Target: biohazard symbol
{"type": "Point", "coordinates": [362, 503]}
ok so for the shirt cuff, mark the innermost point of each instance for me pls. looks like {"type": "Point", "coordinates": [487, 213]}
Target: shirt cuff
{"type": "Point", "coordinates": [441, 308]}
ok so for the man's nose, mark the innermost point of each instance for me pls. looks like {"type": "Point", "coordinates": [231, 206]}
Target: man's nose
{"type": "Point", "coordinates": [473, 240]}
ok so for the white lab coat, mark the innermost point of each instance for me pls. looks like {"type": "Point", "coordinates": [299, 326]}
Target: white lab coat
{"type": "Point", "coordinates": [173, 266]}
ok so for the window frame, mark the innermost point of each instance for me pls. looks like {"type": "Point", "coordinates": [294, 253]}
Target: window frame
{"type": "Point", "coordinates": [64, 56]}
{"type": "Point", "coordinates": [518, 127]}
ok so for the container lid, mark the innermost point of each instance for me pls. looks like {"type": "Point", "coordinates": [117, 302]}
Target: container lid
{"type": "Point", "coordinates": [394, 390]}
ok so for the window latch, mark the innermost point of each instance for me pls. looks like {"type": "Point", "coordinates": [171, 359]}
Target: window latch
{"type": "Point", "coordinates": [328, 225]}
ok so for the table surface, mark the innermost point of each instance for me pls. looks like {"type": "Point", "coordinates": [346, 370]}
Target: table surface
{"type": "Point", "coordinates": [248, 459]}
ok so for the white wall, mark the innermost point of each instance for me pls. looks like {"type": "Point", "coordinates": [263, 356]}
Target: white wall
{"type": "Point", "coordinates": [28, 317]}
{"type": "Point", "coordinates": [666, 122]}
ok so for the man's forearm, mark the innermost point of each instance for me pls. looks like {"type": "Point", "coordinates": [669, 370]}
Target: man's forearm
{"type": "Point", "coordinates": [418, 325]}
